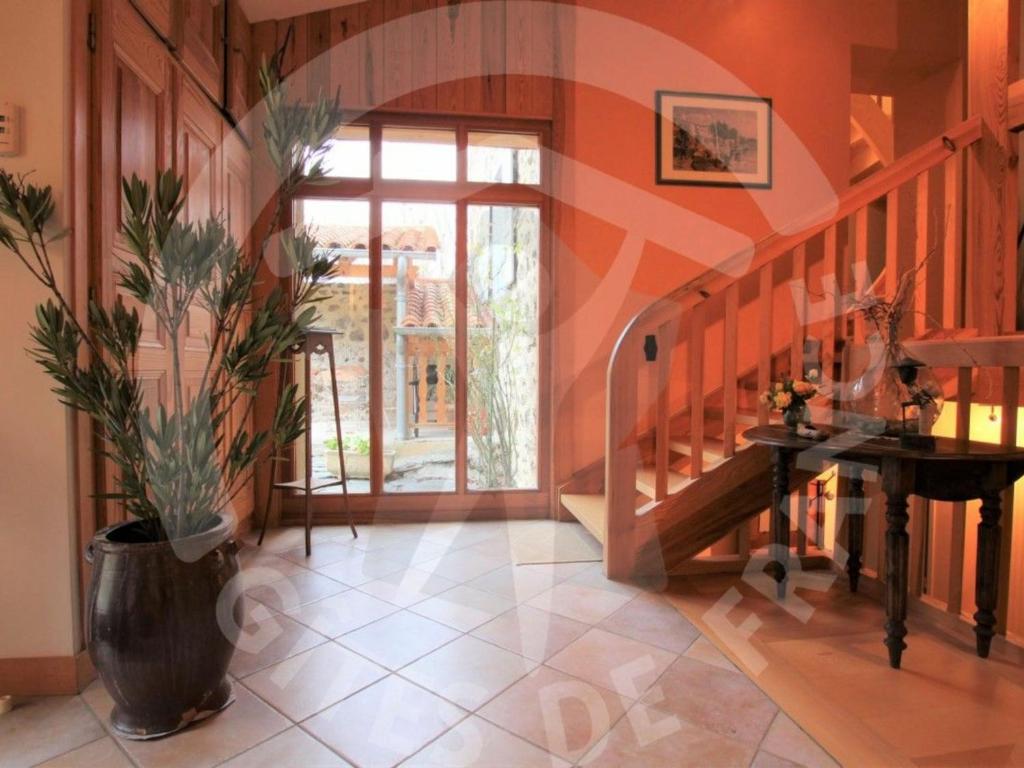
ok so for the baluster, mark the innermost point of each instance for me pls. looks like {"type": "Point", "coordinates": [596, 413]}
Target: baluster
{"type": "Point", "coordinates": [764, 353]}
{"type": "Point", "coordinates": [730, 340]}
{"type": "Point", "coordinates": [952, 279]}
{"type": "Point", "coordinates": [696, 375]}
{"type": "Point", "coordinates": [959, 516]}
{"type": "Point", "coordinates": [1008, 437]}
{"type": "Point", "coordinates": [662, 405]}
{"type": "Point", "coordinates": [834, 308]}
{"type": "Point", "coordinates": [892, 241]}
{"type": "Point", "coordinates": [621, 453]}
{"type": "Point", "coordinates": [799, 291]}
{"type": "Point", "coordinates": [921, 256]}
{"type": "Point", "coordinates": [421, 374]}
{"type": "Point", "coordinates": [860, 268]}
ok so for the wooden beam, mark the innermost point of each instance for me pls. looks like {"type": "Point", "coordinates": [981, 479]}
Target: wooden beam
{"type": "Point", "coordinates": [1015, 105]}
{"type": "Point", "coordinates": [991, 180]}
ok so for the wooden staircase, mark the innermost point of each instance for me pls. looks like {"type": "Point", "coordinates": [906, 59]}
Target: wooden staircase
{"type": "Point", "coordinates": [677, 475]}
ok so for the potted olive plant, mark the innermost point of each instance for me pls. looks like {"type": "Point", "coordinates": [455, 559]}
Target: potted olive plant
{"type": "Point", "coordinates": [160, 578]}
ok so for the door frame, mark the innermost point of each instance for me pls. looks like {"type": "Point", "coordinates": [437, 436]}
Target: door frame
{"type": "Point", "coordinates": [457, 504]}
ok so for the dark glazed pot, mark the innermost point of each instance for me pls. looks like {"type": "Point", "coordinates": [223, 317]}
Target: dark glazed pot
{"type": "Point", "coordinates": [152, 626]}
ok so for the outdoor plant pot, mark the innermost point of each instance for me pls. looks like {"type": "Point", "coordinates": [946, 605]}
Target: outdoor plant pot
{"type": "Point", "coordinates": [357, 465]}
{"type": "Point", "coordinates": [152, 625]}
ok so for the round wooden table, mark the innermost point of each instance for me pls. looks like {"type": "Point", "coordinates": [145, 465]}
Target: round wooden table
{"type": "Point", "coordinates": [957, 470]}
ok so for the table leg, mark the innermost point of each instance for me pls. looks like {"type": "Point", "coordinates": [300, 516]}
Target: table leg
{"type": "Point", "coordinates": [855, 526]}
{"type": "Point", "coordinates": [779, 521]}
{"type": "Point", "coordinates": [986, 586]}
{"type": "Point", "coordinates": [897, 558]}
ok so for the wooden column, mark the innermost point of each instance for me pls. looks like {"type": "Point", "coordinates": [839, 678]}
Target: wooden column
{"type": "Point", "coordinates": [992, 175]}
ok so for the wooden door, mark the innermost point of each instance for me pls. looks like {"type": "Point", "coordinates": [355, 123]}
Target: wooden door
{"type": "Point", "coordinates": [134, 126]}
{"type": "Point", "coordinates": [199, 29]}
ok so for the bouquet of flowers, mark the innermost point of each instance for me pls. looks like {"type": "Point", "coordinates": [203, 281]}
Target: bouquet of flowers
{"type": "Point", "coordinates": [790, 396]}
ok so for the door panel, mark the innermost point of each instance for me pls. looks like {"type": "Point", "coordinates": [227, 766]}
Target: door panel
{"type": "Point", "coordinates": [198, 38]}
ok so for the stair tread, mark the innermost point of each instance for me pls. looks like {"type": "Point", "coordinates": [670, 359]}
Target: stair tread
{"type": "Point", "coordinates": [645, 479]}
{"type": "Point", "coordinates": [590, 509]}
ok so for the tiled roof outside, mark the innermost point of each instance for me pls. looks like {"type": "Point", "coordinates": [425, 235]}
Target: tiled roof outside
{"type": "Point", "coordinates": [430, 303]}
{"type": "Point", "coordinates": [417, 239]}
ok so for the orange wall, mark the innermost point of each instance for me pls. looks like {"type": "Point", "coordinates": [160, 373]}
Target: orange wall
{"type": "Point", "coordinates": [797, 52]}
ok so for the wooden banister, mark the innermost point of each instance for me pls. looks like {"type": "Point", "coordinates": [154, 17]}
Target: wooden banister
{"type": "Point", "coordinates": [622, 454]}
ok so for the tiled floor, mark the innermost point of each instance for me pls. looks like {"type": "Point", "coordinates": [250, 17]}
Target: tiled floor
{"type": "Point", "coordinates": [425, 646]}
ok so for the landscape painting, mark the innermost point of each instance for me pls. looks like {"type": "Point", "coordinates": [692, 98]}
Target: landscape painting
{"type": "Point", "coordinates": [711, 139]}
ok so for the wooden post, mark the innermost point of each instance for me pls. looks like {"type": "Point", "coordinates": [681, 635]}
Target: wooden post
{"type": "Point", "coordinates": [992, 176]}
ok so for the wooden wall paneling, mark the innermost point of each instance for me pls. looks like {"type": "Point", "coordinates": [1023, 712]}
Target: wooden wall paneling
{"type": "Point", "coordinates": [159, 13]}
{"type": "Point", "coordinates": [493, 51]}
{"type": "Point", "coordinates": [318, 46]}
{"type": "Point", "coordinates": [459, 53]}
{"type": "Point", "coordinates": [348, 57]}
{"type": "Point", "coordinates": [239, 61]}
{"type": "Point", "coordinates": [373, 55]}
{"type": "Point", "coordinates": [425, 20]}
{"type": "Point", "coordinates": [198, 25]}
{"type": "Point", "coordinates": [544, 44]}
{"type": "Point", "coordinates": [398, 54]}
{"type": "Point", "coordinates": [519, 51]}
{"type": "Point", "coordinates": [263, 42]}
{"type": "Point", "coordinates": [293, 64]}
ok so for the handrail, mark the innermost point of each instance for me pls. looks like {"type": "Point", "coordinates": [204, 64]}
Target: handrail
{"type": "Point", "coordinates": [875, 186]}
{"type": "Point", "coordinates": [621, 450]}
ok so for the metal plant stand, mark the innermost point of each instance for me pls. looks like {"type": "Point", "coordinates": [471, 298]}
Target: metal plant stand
{"type": "Point", "coordinates": [316, 341]}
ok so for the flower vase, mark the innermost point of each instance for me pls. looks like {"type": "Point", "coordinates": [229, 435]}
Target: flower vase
{"type": "Point", "coordinates": [794, 417]}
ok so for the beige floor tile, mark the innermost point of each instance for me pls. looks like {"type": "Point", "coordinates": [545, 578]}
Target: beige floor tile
{"type": "Point", "coordinates": [617, 663]}
{"type": "Point", "coordinates": [296, 590]}
{"type": "Point", "coordinates": [786, 739]}
{"type": "Point", "coordinates": [270, 641]}
{"type": "Point", "coordinates": [357, 567]}
{"type": "Point", "coordinates": [462, 565]}
{"type": "Point", "coordinates": [648, 738]}
{"type": "Point", "coordinates": [398, 639]}
{"type": "Point", "coordinates": [704, 650]}
{"type": "Point", "coordinates": [341, 613]}
{"type": "Point", "coordinates": [579, 602]}
{"type": "Point", "coordinates": [559, 713]}
{"type": "Point", "coordinates": [768, 760]}
{"type": "Point", "coordinates": [247, 722]}
{"type": "Point", "coordinates": [384, 724]}
{"type": "Point", "coordinates": [516, 582]}
{"type": "Point", "coordinates": [38, 729]}
{"type": "Point", "coordinates": [282, 539]}
{"type": "Point", "coordinates": [323, 553]}
{"type": "Point", "coordinates": [293, 747]}
{"type": "Point", "coordinates": [460, 535]}
{"type": "Point", "coordinates": [102, 753]}
{"type": "Point", "coordinates": [721, 701]}
{"type": "Point", "coordinates": [499, 547]}
{"type": "Point", "coordinates": [531, 632]}
{"type": "Point", "coordinates": [262, 567]}
{"type": "Point", "coordinates": [463, 608]}
{"type": "Point", "coordinates": [476, 743]}
{"type": "Point", "coordinates": [309, 682]}
{"type": "Point", "coordinates": [412, 551]}
{"type": "Point", "coordinates": [652, 620]}
{"type": "Point", "coordinates": [381, 538]}
{"type": "Point", "coordinates": [468, 671]}
{"type": "Point", "coordinates": [594, 577]}
{"type": "Point", "coordinates": [405, 588]}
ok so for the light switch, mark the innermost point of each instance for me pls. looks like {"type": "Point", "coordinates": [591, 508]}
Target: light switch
{"type": "Point", "coordinates": [10, 129]}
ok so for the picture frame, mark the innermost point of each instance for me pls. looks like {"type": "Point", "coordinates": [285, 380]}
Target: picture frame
{"type": "Point", "coordinates": [713, 139]}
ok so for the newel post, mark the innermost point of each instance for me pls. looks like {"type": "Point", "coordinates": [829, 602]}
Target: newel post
{"type": "Point", "coordinates": [621, 455]}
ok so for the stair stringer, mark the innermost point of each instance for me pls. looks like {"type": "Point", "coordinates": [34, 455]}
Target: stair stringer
{"type": "Point", "coordinates": [709, 508]}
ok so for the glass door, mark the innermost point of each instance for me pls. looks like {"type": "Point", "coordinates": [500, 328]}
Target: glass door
{"type": "Point", "coordinates": [438, 297]}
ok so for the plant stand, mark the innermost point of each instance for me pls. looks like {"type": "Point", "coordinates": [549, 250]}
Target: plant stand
{"type": "Point", "coordinates": [317, 341]}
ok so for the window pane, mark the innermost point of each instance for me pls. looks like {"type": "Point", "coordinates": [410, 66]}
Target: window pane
{"type": "Point", "coordinates": [504, 158]}
{"type": "Point", "coordinates": [419, 346]}
{"type": "Point", "coordinates": [503, 280]}
{"type": "Point", "coordinates": [341, 226]}
{"type": "Point", "coordinates": [348, 153]}
{"type": "Point", "coordinates": [419, 154]}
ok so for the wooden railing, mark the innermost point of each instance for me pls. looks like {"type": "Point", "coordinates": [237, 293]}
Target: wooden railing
{"type": "Point", "coordinates": [681, 318]}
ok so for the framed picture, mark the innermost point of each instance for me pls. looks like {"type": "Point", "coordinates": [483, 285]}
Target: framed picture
{"type": "Point", "coordinates": [711, 139]}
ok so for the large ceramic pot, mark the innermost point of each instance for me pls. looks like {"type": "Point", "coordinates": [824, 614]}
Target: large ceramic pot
{"type": "Point", "coordinates": [152, 625]}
